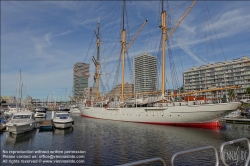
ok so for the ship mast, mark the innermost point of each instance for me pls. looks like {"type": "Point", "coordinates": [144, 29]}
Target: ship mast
{"type": "Point", "coordinates": [124, 47]}
{"type": "Point", "coordinates": [123, 43]}
{"type": "Point", "coordinates": [97, 62]}
{"type": "Point", "coordinates": [165, 38]}
{"type": "Point", "coordinates": [164, 31]}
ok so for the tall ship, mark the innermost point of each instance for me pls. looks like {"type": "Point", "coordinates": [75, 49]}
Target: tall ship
{"type": "Point", "coordinates": [157, 107]}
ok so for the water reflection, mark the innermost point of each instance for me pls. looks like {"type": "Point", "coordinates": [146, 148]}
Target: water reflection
{"type": "Point", "coordinates": [18, 138]}
{"type": "Point", "coordinates": [132, 142]}
{"type": "Point", "coordinates": [113, 143]}
{"type": "Point", "coordinates": [39, 119]}
{"type": "Point", "coordinates": [63, 131]}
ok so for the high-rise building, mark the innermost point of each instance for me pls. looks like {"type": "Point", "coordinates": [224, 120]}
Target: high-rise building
{"type": "Point", "coordinates": [145, 73]}
{"type": "Point", "coordinates": [81, 79]}
{"type": "Point", "coordinates": [221, 74]}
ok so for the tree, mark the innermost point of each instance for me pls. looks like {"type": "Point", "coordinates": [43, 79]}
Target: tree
{"type": "Point", "coordinates": [231, 93]}
{"type": "Point", "coordinates": [224, 99]}
{"type": "Point", "coordinates": [248, 90]}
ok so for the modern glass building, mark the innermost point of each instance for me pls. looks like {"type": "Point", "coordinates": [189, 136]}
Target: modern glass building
{"type": "Point", "coordinates": [145, 73]}
{"type": "Point", "coordinates": [81, 79]}
{"type": "Point", "coordinates": [221, 74]}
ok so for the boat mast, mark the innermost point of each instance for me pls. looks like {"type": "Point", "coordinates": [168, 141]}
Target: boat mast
{"type": "Point", "coordinates": [123, 43]}
{"type": "Point", "coordinates": [164, 31]}
{"type": "Point", "coordinates": [97, 62]}
{"type": "Point", "coordinates": [19, 92]}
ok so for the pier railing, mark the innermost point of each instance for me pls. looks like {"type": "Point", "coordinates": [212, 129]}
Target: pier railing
{"type": "Point", "coordinates": [147, 161]}
{"type": "Point", "coordinates": [196, 150]}
{"type": "Point", "coordinates": [232, 142]}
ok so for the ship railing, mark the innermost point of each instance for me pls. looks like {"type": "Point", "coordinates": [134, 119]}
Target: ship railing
{"type": "Point", "coordinates": [232, 142]}
{"type": "Point", "coordinates": [146, 161]}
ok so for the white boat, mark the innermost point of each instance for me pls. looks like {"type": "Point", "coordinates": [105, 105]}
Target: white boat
{"type": "Point", "coordinates": [63, 108]}
{"type": "Point", "coordinates": [233, 114]}
{"type": "Point", "coordinates": [40, 109]}
{"type": "Point", "coordinates": [205, 115]}
{"type": "Point", "coordinates": [40, 114]}
{"type": "Point", "coordinates": [14, 109]}
{"type": "Point", "coordinates": [18, 105]}
{"type": "Point", "coordinates": [74, 109]}
{"type": "Point", "coordinates": [62, 120]}
{"type": "Point", "coordinates": [159, 108]}
{"type": "Point", "coordinates": [21, 122]}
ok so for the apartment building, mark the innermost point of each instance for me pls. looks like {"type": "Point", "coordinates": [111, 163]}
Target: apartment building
{"type": "Point", "coordinates": [221, 74]}
{"type": "Point", "coordinates": [81, 79]}
{"type": "Point", "coordinates": [117, 91]}
{"type": "Point", "coordinates": [145, 73]}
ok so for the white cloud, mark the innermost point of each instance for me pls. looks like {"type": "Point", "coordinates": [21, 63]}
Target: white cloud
{"type": "Point", "coordinates": [47, 37]}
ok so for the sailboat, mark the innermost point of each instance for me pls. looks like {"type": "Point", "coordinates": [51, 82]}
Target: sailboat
{"type": "Point", "coordinates": [22, 120]}
{"type": "Point", "coordinates": [160, 111]}
{"type": "Point", "coordinates": [18, 107]}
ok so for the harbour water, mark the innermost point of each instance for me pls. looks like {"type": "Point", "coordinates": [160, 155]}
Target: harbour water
{"type": "Point", "coordinates": [104, 142]}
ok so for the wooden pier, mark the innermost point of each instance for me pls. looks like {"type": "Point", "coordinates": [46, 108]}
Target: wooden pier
{"type": "Point", "coordinates": [236, 120]}
{"type": "Point", "coordinates": [46, 125]}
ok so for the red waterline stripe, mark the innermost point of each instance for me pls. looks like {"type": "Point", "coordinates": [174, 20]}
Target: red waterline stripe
{"type": "Point", "coordinates": [208, 125]}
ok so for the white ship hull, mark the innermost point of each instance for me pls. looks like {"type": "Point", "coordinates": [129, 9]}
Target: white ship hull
{"type": "Point", "coordinates": [205, 115]}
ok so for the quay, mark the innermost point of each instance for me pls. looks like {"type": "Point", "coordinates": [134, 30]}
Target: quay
{"type": "Point", "coordinates": [236, 120]}
{"type": "Point", "coordinates": [46, 125]}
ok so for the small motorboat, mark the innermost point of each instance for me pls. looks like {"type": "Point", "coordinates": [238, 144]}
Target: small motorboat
{"type": "Point", "coordinates": [62, 120]}
{"type": "Point", "coordinates": [63, 108]}
{"type": "Point", "coordinates": [21, 122]}
{"type": "Point", "coordinates": [40, 114]}
{"type": "Point", "coordinates": [74, 110]}
{"type": "Point", "coordinates": [41, 109]}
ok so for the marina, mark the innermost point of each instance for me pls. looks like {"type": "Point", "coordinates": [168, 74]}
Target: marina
{"type": "Point", "coordinates": [160, 91]}
{"type": "Point", "coordinates": [115, 143]}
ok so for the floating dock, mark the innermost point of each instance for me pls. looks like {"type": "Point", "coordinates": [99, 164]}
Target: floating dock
{"type": "Point", "coordinates": [46, 125]}
{"type": "Point", "coordinates": [236, 120]}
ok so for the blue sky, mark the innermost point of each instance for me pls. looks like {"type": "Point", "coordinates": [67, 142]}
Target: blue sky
{"type": "Point", "coordinates": [45, 39]}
